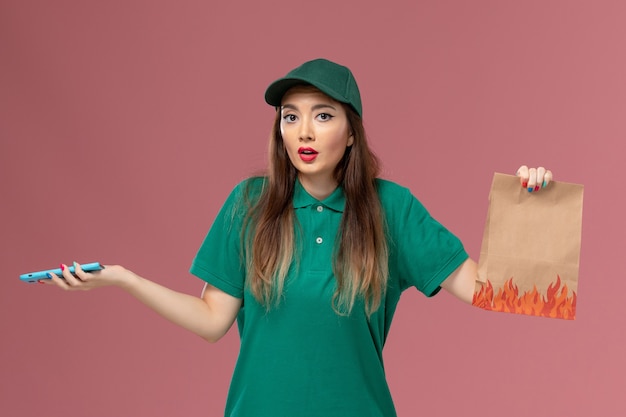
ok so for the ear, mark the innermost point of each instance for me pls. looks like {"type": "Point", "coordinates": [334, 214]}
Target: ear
{"type": "Point", "coordinates": [350, 139]}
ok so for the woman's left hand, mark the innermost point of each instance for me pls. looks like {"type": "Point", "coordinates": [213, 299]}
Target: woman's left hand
{"type": "Point", "coordinates": [534, 179]}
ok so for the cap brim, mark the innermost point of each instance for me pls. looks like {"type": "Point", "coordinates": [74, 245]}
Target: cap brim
{"type": "Point", "coordinates": [275, 92]}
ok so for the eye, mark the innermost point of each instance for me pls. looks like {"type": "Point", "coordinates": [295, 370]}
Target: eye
{"type": "Point", "coordinates": [290, 118]}
{"type": "Point", "coordinates": [324, 117]}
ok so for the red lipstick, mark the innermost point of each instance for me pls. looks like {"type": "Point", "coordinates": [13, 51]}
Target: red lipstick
{"type": "Point", "coordinates": [307, 154]}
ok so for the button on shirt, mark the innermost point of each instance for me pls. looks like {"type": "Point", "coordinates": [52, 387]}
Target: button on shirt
{"type": "Point", "coordinates": [318, 222]}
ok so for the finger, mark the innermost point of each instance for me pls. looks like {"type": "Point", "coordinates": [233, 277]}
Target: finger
{"type": "Point", "coordinates": [522, 173]}
{"type": "Point", "coordinates": [541, 172]}
{"type": "Point", "coordinates": [79, 273]}
{"type": "Point", "coordinates": [547, 178]}
{"type": "Point", "coordinates": [70, 279]}
{"type": "Point", "coordinates": [532, 179]}
{"type": "Point", "coordinates": [54, 279]}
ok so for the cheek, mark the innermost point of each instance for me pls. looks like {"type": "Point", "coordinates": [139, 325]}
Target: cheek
{"type": "Point", "coordinates": [289, 134]}
{"type": "Point", "coordinates": [284, 134]}
{"type": "Point", "coordinates": [342, 141]}
{"type": "Point", "coordinates": [290, 147]}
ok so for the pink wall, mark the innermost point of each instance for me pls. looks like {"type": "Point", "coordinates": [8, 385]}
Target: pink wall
{"type": "Point", "coordinates": [123, 126]}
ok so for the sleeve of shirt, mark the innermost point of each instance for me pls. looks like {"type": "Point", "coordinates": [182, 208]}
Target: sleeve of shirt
{"type": "Point", "coordinates": [219, 260]}
{"type": "Point", "coordinates": [424, 252]}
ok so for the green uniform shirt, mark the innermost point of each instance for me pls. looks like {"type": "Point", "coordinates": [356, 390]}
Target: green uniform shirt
{"type": "Point", "coordinates": [301, 358]}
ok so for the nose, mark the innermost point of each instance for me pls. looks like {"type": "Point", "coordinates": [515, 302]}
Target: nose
{"type": "Point", "coordinates": [306, 132]}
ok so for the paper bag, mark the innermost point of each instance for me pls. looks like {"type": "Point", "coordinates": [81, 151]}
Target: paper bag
{"type": "Point", "coordinates": [530, 250]}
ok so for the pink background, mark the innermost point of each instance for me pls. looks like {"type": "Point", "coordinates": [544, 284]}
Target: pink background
{"type": "Point", "coordinates": [124, 125]}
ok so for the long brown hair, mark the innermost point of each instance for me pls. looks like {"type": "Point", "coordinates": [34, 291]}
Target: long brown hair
{"type": "Point", "coordinates": [361, 254]}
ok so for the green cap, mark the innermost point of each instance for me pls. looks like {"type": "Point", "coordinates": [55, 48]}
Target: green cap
{"type": "Point", "coordinates": [330, 78]}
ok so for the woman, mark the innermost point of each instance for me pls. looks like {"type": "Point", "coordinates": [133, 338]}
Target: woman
{"type": "Point", "coordinates": [311, 260]}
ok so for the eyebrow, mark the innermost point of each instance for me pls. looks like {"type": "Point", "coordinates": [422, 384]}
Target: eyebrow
{"type": "Point", "coordinates": [315, 107]}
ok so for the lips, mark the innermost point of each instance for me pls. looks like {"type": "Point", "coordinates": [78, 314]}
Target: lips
{"type": "Point", "coordinates": [307, 154]}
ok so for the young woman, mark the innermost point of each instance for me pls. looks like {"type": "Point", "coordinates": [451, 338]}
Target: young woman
{"type": "Point", "coordinates": [311, 260]}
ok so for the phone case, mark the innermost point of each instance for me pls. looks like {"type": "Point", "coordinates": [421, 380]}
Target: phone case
{"type": "Point", "coordinates": [39, 275]}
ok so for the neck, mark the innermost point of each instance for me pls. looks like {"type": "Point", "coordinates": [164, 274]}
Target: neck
{"type": "Point", "coordinates": [318, 188]}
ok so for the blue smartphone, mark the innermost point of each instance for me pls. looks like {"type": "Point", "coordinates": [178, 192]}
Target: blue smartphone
{"type": "Point", "coordinates": [39, 275]}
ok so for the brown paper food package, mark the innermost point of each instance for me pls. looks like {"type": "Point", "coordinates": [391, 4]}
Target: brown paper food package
{"type": "Point", "coordinates": [530, 251]}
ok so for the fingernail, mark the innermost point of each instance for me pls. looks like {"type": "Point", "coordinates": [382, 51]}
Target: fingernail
{"type": "Point", "coordinates": [530, 189]}
{"type": "Point", "coordinates": [536, 188]}
{"type": "Point", "coordinates": [40, 282]}
{"type": "Point", "coordinates": [62, 267]}
{"type": "Point", "coordinates": [48, 275]}
{"type": "Point", "coordinates": [543, 184]}
{"type": "Point", "coordinates": [525, 184]}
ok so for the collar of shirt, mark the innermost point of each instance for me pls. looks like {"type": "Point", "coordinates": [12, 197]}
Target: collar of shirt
{"type": "Point", "coordinates": [301, 198]}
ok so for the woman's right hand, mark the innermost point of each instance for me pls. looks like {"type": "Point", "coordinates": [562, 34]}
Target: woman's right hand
{"type": "Point", "coordinates": [209, 316]}
{"type": "Point", "coordinates": [111, 275]}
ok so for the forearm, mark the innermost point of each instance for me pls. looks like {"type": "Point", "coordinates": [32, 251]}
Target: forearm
{"type": "Point", "coordinates": [210, 316]}
{"type": "Point", "coordinates": [187, 311]}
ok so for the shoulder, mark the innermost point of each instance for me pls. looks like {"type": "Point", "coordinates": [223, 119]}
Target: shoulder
{"type": "Point", "coordinates": [249, 188]}
{"type": "Point", "coordinates": [398, 202]}
{"type": "Point", "coordinates": [244, 195]}
{"type": "Point", "coordinates": [251, 184]}
{"type": "Point", "coordinates": [392, 193]}
{"type": "Point", "coordinates": [389, 187]}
